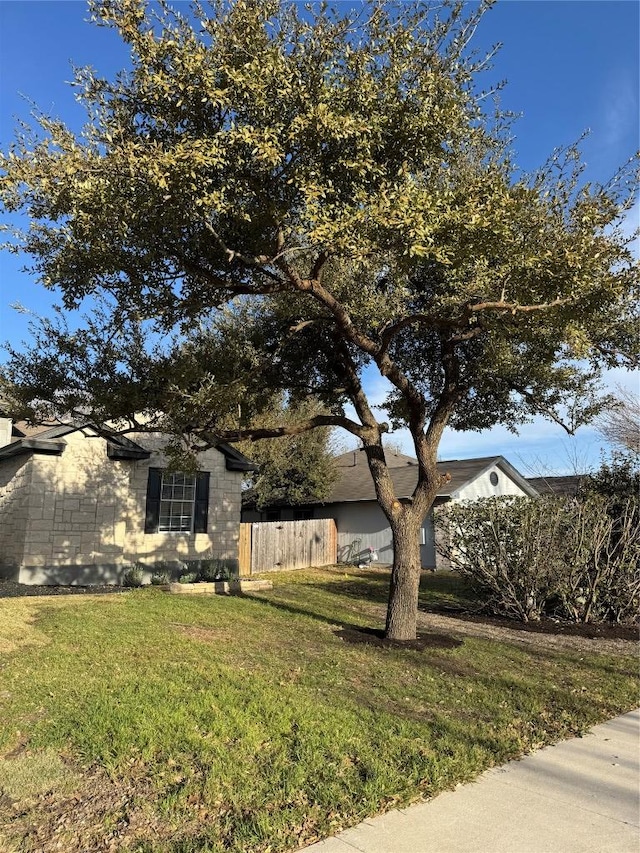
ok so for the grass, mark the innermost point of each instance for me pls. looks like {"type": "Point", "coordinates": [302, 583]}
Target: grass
{"type": "Point", "coordinates": [26, 775]}
{"type": "Point", "coordinates": [249, 724]}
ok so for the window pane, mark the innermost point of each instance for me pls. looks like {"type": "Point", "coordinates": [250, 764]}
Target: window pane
{"type": "Point", "coordinates": [177, 499]}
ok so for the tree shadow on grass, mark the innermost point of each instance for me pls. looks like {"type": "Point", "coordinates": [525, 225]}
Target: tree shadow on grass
{"type": "Point", "coordinates": [438, 593]}
{"type": "Point", "coordinates": [375, 637]}
{"type": "Point", "coordinates": [355, 634]}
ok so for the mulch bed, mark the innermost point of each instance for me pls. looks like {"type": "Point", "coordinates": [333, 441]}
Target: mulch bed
{"type": "Point", "coordinates": [10, 589]}
{"type": "Point", "coordinates": [590, 631]}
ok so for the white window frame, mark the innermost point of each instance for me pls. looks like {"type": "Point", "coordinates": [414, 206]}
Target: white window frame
{"type": "Point", "coordinates": [177, 512]}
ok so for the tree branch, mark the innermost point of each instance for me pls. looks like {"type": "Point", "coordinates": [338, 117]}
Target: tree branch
{"type": "Point", "coordinates": [231, 288]}
{"type": "Point", "coordinates": [257, 262]}
{"type": "Point", "coordinates": [392, 329]}
{"type": "Point", "coordinates": [515, 307]}
{"type": "Point", "coordinates": [354, 387]}
{"type": "Point", "coordinates": [545, 410]}
{"type": "Point", "coordinates": [257, 433]}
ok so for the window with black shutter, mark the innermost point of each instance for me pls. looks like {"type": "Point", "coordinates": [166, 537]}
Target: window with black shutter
{"type": "Point", "coordinates": [177, 502]}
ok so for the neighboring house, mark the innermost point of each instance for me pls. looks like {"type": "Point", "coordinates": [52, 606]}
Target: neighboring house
{"type": "Point", "coordinates": [567, 485]}
{"type": "Point", "coordinates": [78, 506]}
{"type": "Point", "coordinates": [361, 523]}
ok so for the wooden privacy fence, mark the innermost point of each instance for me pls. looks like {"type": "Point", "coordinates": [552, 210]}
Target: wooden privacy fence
{"type": "Point", "coordinates": [267, 546]}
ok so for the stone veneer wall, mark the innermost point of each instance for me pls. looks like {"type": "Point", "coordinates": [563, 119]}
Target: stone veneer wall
{"type": "Point", "coordinates": [221, 540]}
{"type": "Point", "coordinates": [15, 478]}
{"type": "Point", "coordinates": [86, 514]}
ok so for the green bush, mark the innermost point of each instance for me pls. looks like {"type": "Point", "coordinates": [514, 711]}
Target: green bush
{"type": "Point", "coordinates": [207, 570]}
{"type": "Point", "coordinates": [213, 570]}
{"type": "Point", "coordinates": [133, 576]}
{"type": "Point", "coordinates": [160, 577]}
{"type": "Point", "coordinates": [562, 556]}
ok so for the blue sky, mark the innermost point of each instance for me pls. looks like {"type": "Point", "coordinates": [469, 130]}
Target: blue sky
{"type": "Point", "coordinates": [570, 65]}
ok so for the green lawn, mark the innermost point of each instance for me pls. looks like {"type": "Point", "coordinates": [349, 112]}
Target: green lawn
{"type": "Point", "coordinates": [176, 724]}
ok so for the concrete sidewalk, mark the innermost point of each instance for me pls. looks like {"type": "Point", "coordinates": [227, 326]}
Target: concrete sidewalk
{"type": "Point", "coordinates": [580, 796]}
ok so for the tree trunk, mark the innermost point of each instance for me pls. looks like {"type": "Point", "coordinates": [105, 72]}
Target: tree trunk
{"type": "Point", "coordinates": [402, 611]}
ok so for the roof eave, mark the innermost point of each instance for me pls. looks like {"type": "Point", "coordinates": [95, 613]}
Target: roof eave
{"type": "Point", "coordinates": [234, 460]}
{"type": "Point", "coordinates": [117, 451]}
{"type": "Point", "coordinates": [32, 445]}
{"type": "Point", "coordinates": [507, 468]}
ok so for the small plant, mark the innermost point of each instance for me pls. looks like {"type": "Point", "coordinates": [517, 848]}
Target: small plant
{"type": "Point", "coordinates": [188, 577]}
{"type": "Point", "coordinates": [161, 577]}
{"type": "Point", "coordinates": [133, 576]}
{"type": "Point", "coordinates": [213, 570]}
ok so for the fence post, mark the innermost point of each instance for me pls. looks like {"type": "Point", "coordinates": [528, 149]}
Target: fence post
{"type": "Point", "coordinates": [244, 551]}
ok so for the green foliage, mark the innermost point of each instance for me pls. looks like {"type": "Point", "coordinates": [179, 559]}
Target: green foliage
{"type": "Point", "coordinates": [159, 578]}
{"type": "Point", "coordinates": [294, 469]}
{"type": "Point", "coordinates": [210, 570]}
{"type": "Point", "coordinates": [133, 576]}
{"type": "Point", "coordinates": [617, 480]}
{"type": "Point", "coordinates": [341, 176]}
{"type": "Point", "coordinates": [194, 571]}
{"type": "Point", "coordinates": [551, 555]}
{"type": "Point", "coordinates": [188, 577]}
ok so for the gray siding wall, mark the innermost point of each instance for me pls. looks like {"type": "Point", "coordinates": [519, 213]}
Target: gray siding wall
{"type": "Point", "coordinates": [365, 521]}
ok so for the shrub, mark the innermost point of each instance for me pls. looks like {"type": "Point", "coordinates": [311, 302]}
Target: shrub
{"type": "Point", "coordinates": [168, 571]}
{"type": "Point", "coordinates": [504, 546]}
{"type": "Point", "coordinates": [617, 480]}
{"type": "Point", "coordinates": [531, 557]}
{"type": "Point", "coordinates": [207, 570]}
{"type": "Point", "coordinates": [213, 570]}
{"type": "Point", "coordinates": [133, 576]}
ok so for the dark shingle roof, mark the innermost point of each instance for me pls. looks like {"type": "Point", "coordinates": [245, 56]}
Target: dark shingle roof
{"type": "Point", "coordinates": [22, 429]}
{"type": "Point", "coordinates": [355, 483]}
{"type": "Point", "coordinates": [567, 485]}
{"type": "Point", "coordinates": [41, 438]}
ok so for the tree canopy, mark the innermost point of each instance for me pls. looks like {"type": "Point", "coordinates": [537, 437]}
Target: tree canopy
{"type": "Point", "coordinates": [272, 200]}
{"type": "Point", "coordinates": [295, 469]}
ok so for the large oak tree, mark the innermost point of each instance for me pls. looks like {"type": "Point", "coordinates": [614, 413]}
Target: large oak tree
{"type": "Point", "coordinates": [274, 200]}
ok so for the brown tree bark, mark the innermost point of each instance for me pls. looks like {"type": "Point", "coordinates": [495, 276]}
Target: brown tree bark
{"type": "Point", "coordinates": [402, 610]}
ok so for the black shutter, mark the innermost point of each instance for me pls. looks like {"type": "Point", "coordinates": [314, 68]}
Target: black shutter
{"type": "Point", "coordinates": [201, 508]}
{"type": "Point", "coordinates": [152, 513]}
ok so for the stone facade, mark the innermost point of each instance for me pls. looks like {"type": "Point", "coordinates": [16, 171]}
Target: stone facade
{"type": "Point", "coordinates": [15, 480]}
{"type": "Point", "coordinates": [79, 517]}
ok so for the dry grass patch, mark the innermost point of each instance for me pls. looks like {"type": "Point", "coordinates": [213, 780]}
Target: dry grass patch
{"type": "Point", "coordinates": [17, 627]}
{"type": "Point", "coordinates": [29, 774]}
{"type": "Point", "coordinates": [18, 618]}
{"type": "Point", "coordinates": [94, 813]}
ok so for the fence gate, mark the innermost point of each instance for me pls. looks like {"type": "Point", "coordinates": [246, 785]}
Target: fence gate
{"type": "Point", "coordinates": [267, 546]}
